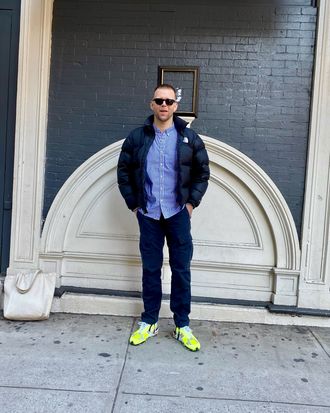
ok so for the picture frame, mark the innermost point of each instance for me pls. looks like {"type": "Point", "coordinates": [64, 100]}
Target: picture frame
{"type": "Point", "coordinates": [185, 79]}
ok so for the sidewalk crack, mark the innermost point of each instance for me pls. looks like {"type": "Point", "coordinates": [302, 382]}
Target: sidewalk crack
{"type": "Point", "coordinates": [123, 368]}
{"type": "Point", "coordinates": [319, 341]}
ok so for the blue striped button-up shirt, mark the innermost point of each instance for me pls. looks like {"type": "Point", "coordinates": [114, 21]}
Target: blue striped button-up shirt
{"type": "Point", "coordinates": [161, 175]}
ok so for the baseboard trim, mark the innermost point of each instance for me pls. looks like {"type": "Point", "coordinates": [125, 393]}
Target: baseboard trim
{"type": "Point", "coordinates": [132, 306]}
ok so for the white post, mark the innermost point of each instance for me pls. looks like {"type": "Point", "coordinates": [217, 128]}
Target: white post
{"type": "Point", "coordinates": [31, 131]}
{"type": "Point", "coordinates": [315, 266]}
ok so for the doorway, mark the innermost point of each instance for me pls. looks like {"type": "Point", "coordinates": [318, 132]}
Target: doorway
{"type": "Point", "coordinates": [9, 40]}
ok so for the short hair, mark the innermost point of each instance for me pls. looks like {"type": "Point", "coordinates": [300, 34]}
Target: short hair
{"type": "Point", "coordinates": [165, 86]}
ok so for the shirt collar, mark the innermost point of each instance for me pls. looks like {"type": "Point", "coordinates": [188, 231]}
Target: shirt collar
{"type": "Point", "coordinates": [179, 123]}
{"type": "Point", "coordinates": [167, 131]}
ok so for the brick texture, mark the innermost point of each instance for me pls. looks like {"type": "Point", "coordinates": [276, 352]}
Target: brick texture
{"type": "Point", "coordinates": [255, 58]}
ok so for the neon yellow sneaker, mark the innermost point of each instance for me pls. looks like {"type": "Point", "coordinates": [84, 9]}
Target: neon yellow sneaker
{"type": "Point", "coordinates": [143, 333]}
{"type": "Point", "coordinates": [185, 335]}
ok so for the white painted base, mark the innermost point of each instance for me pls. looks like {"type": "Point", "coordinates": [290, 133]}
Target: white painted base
{"type": "Point", "coordinates": [105, 305]}
{"type": "Point", "coordinates": [314, 298]}
{"type": "Point", "coordinates": [285, 287]}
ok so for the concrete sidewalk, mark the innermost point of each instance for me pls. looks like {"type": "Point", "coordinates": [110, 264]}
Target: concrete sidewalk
{"type": "Point", "coordinates": [83, 363]}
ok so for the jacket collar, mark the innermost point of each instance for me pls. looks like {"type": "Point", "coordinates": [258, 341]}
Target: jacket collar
{"type": "Point", "coordinates": [180, 124]}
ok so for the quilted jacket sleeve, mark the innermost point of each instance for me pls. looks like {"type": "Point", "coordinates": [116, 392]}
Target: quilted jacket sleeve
{"type": "Point", "coordinates": [200, 172]}
{"type": "Point", "coordinates": [124, 174]}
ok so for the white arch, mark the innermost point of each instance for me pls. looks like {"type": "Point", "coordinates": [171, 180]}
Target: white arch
{"type": "Point", "coordinates": [244, 234]}
{"type": "Point", "coordinates": [271, 199]}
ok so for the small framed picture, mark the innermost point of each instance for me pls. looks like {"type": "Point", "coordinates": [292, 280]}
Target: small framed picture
{"type": "Point", "coordinates": [185, 81]}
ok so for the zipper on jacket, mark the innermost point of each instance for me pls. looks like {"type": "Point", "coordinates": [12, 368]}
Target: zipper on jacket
{"type": "Point", "coordinates": [178, 183]}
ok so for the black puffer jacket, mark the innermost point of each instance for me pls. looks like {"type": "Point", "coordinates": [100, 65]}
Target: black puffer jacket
{"type": "Point", "coordinates": [193, 165]}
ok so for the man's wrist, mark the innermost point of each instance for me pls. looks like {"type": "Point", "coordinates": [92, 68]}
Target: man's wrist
{"type": "Point", "coordinates": [189, 208]}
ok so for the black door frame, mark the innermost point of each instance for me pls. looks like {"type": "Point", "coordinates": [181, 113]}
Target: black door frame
{"type": "Point", "coordinates": [12, 7]}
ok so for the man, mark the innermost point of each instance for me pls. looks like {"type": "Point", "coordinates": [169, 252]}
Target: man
{"type": "Point", "coordinates": [163, 173]}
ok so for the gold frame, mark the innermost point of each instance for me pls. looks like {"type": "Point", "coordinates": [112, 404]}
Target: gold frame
{"type": "Point", "coordinates": [162, 70]}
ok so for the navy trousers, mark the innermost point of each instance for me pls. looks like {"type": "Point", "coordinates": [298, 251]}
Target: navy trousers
{"type": "Point", "coordinates": [176, 230]}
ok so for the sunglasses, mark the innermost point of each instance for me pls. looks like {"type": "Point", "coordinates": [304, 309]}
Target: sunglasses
{"type": "Point", "coordinates": [159, 101]}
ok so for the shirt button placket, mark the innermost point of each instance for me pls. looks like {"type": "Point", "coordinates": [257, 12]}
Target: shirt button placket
{"type": "Point", "coordinates": [162, 142]}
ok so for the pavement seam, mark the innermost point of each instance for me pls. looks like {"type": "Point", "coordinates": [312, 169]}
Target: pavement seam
{"type": "Point", "coordinates": [319, 341]}
{"type": "Point", "coordinates": [124, 364]}
{"type": "Point", "coordinates": [261, 401]}
{"type": "Point", "coordinates": [226, 399]}
{"type": "Point", "coordinates": [54, 389]}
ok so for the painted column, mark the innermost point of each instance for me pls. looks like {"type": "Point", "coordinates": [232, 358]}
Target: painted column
{"type": "Point", "coordinates": [315, 266]}
{"type": "Point", "coordinates": [31, 130]}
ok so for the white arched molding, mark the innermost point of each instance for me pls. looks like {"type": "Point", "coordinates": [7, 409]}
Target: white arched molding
{"type": "Point", "coordinates": [245, 241]}
{"type": "Point", "coordinates": [314, 289]}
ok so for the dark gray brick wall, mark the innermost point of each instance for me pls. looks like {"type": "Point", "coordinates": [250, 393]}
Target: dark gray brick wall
{"type": "Point", "coordinates": [255, 59]}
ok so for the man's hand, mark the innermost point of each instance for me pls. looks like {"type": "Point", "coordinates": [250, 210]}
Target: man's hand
{"type": "Point", "coordinates": [190, 209]}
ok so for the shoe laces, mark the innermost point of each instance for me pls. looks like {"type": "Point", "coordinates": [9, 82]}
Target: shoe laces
{"type": "Point", "coordinates": [185, 332]}
{"type": "Point", "coordinates": [187, 329]}
{"type": "Point", "coordinates": [144, 325]}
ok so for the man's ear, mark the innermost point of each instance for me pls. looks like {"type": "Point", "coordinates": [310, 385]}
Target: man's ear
{"type": "Point", "coordinates": [151, 105]}
{"type": "Point", "coordinates": [176, 106]}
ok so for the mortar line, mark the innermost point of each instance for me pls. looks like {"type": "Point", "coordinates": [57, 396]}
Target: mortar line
{"type": "Point", "coordinates": [122, 370]}
{"type": "Point", "coordinates": [319, 341]}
